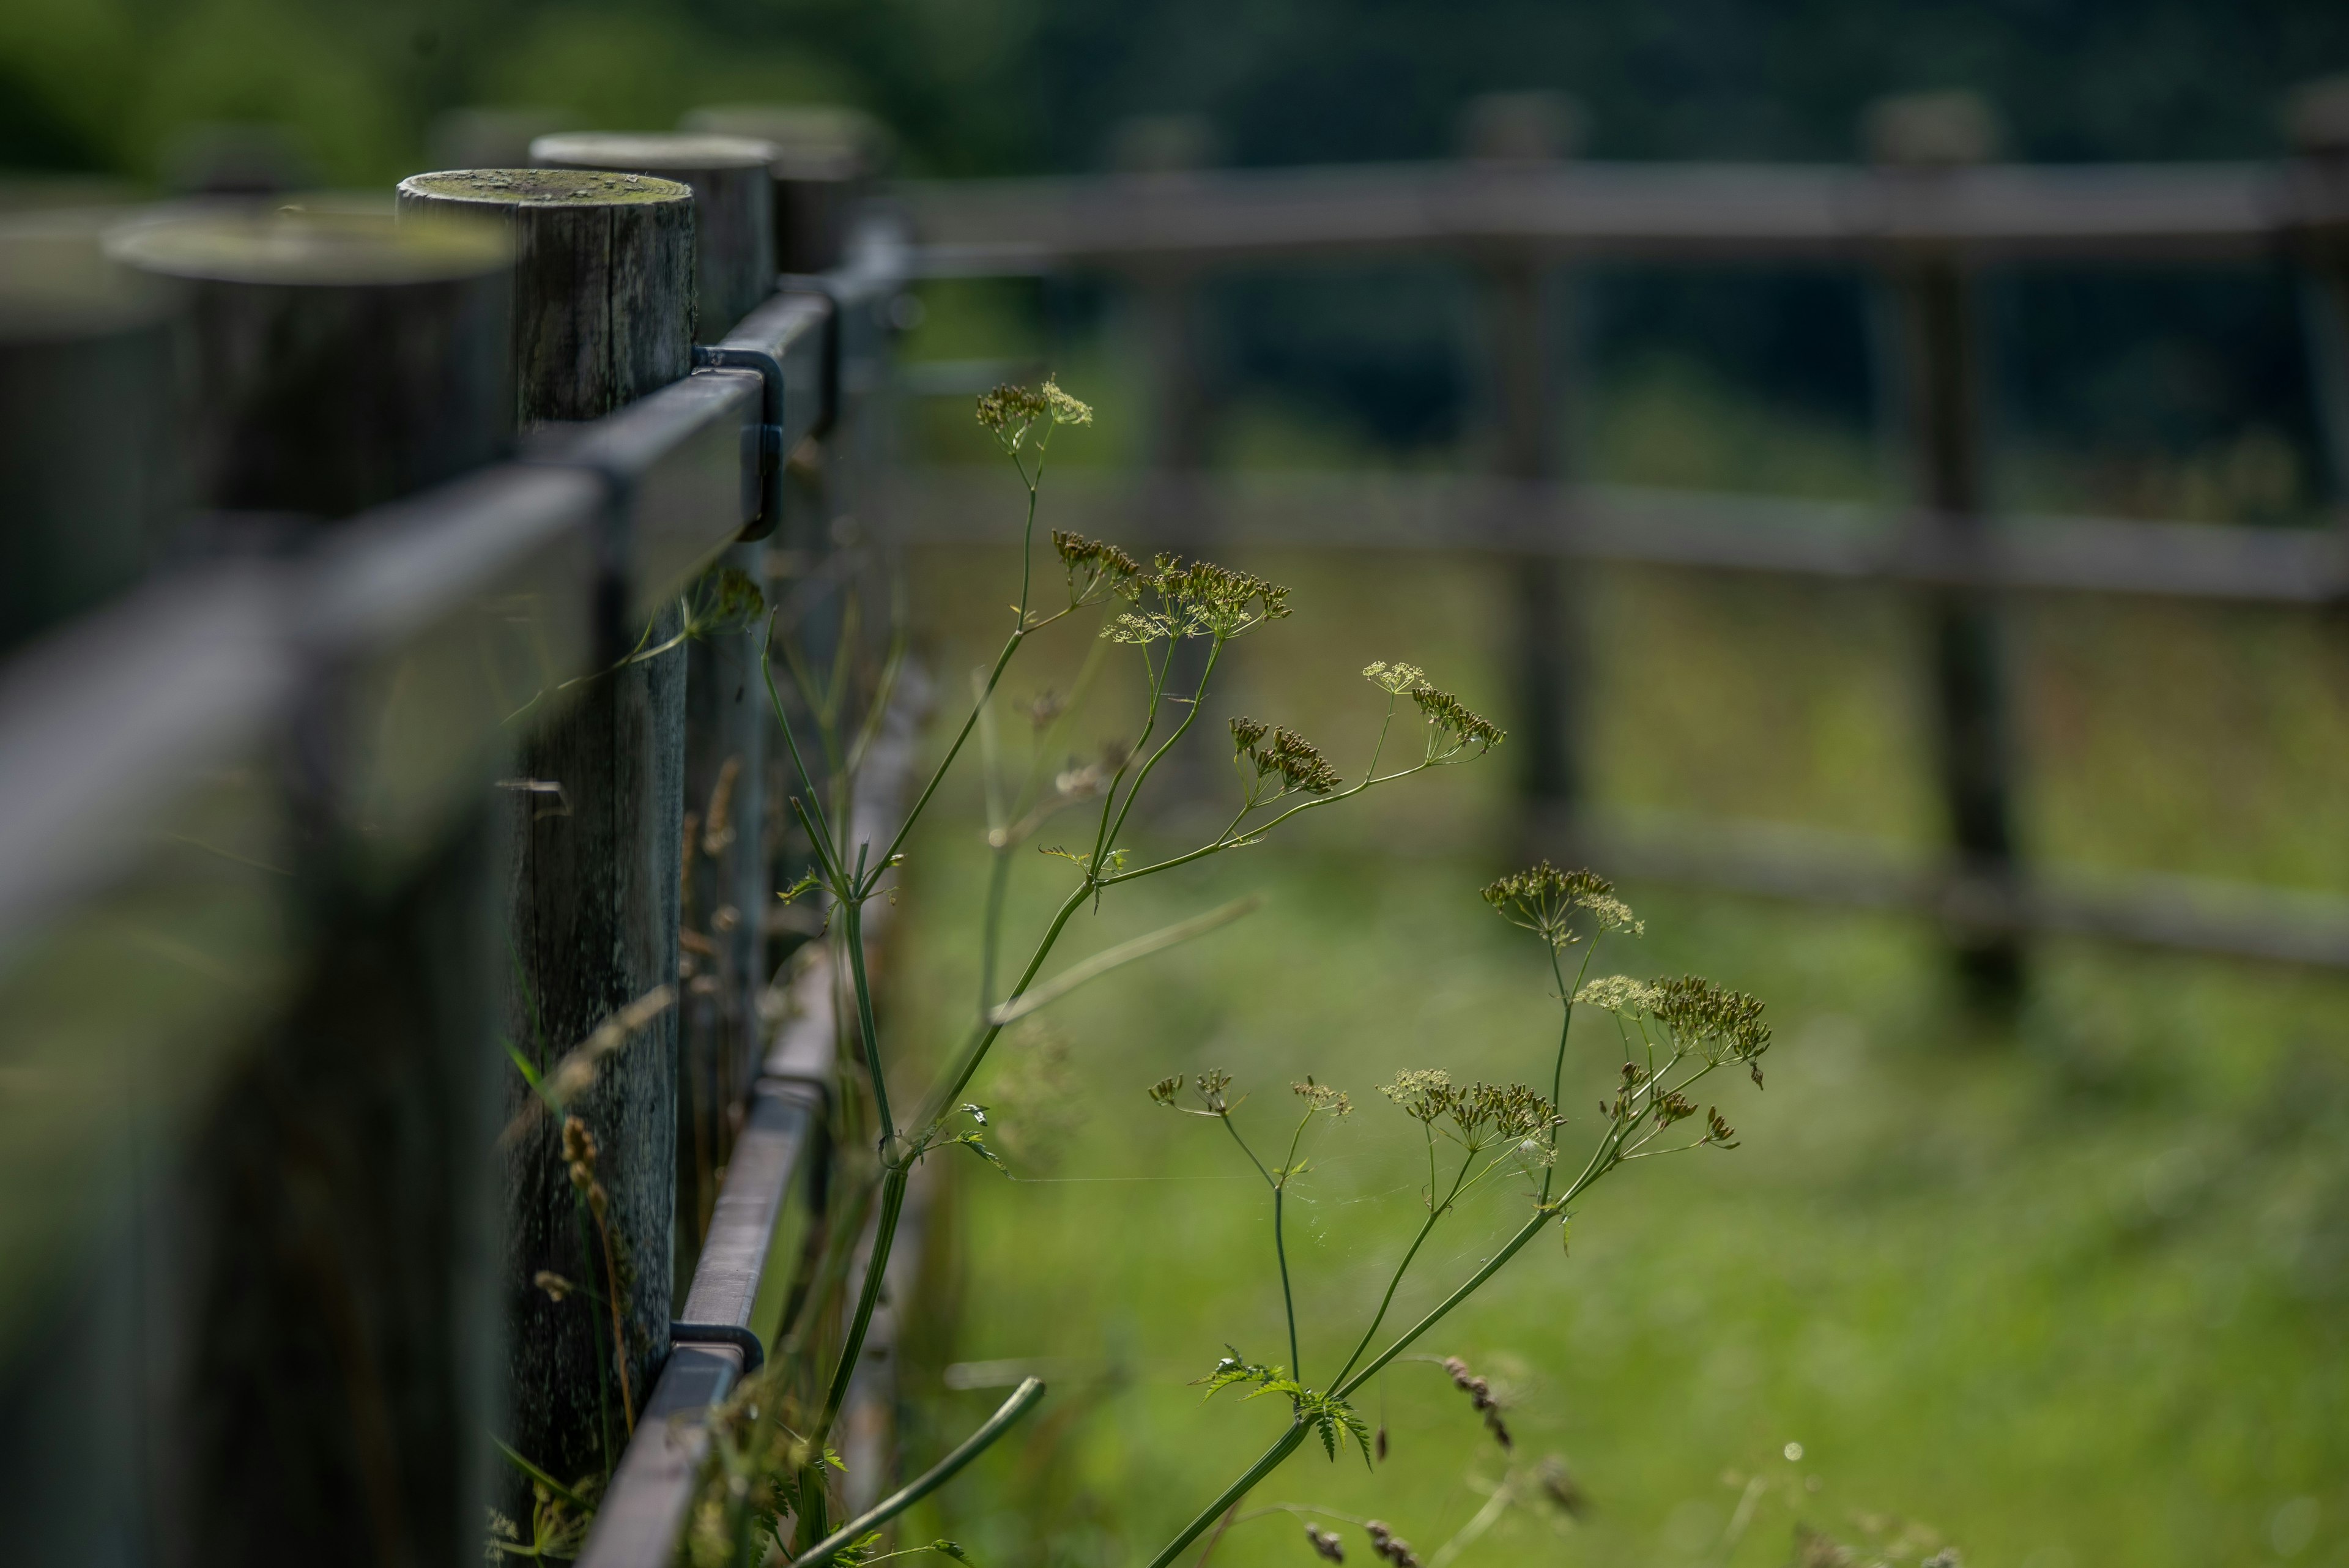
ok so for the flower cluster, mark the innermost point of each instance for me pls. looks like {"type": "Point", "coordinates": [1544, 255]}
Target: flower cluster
{"type": "Point", "coordinates": [1480, 1112]}
{"type": "Point", "coordinates": [1452, 730]}
{"type": "Point", "coordinates": [1323, 1097]}
{"type": "Point", "coordinates": [1095, 569]}
{"type": "Point", "coordinates": [1009, 413]}
{"type": "Point", "coordinates": [1196, 598]}
{"type": "Point", "coordinates": [1210, 1085]}
{"type": "Point", "coordinates": [1548, 901]}
{"type": "Point", "coordinates": [1722, 1025]}
{"type": "Point", "coordinates": [1451, 719]}
{"type": "Point", "coordinates": [1619, 994]}
{"type": "Point", "coordinates": [1300, 763]}
{"type": "Point", "coordinates": [1480, 1394]}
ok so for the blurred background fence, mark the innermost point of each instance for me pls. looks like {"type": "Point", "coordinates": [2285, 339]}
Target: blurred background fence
{"type": "Point", "coordinates": [1924, 221]}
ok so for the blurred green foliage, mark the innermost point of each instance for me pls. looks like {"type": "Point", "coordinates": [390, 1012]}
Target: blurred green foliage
{"type": "Point", "coordinates": [981, 85]}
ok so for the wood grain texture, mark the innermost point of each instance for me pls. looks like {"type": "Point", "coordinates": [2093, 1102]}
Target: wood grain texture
{"type": "Point", "coordinates": [595, 926]}
{"type": "Point", "coordinates": [734, 247]}
{"type": "Point", "coordinates": [602, 280]}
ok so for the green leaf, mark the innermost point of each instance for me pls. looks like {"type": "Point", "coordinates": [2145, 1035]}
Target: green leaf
{"type": "Point", "coordinates": [977, 1146]}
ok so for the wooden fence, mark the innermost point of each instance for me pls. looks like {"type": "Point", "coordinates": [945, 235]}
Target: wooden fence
{"type": "Point", "coordinates": [437, 748]}
{"type": "Point", "coordinates": [434, 759]}
{"type": "Point", "coordinates": [1923, 220]}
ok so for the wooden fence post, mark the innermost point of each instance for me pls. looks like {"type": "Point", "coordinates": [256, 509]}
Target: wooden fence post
{"type": "Point", "coordinates": [723, 887]}
{"type": "Point", "coordinates": [325, 1288]}
{"type": "Point", "coordinates": [1506, 136]}
{"type": "Point", "coordinates": [86, 413]}
{"type": "Point", "coordinates": [733, 200]}
{"type": "Point", "coordinates": [2319, 120]}
{"type": "Point", "coordinates": [1149, 154]}
{"type": "Point", "coordinates": [823, 163]}
{"type": "Point", "coordinates": [603, 296]}
{"type": "Point", "coordinates": [1918, 139]}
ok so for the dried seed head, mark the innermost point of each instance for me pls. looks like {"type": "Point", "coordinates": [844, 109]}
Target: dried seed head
{"type": "Point", "coordinates": [1326, 1544]}
{"type": "Point", "coordinates": [1480, 1394]}
{"type": "Point", "coordinates": [1211, 1085]}
{"type": "Point", "coordinates": [1008, 411]}
{"type": "Point", "coordinates": [1046, 705]}
{"type": "Point", "coordinates": [1324, 1097]}
{"type": "Point", "coordinates": [1723, 1025]}
{"type": "Point", "coordinates": [1164, 1091]}
{"type": "Point", "coordinates": [1456, 730]}
{"type": "Point", "coordinates": [1558, 1485]}
{"type": "Point", "coordinates": [1095, 569]}
{"type": "Point", "coordinates": [1562, 907]}
{"type": "Point", "coordinates": [1423, 1093]}
{"type": "Point", "coordinates": [1386, 1544]}
{"type": "Point", "coordinates": [1297, 760]}
{"type": "Point", "coordinates": [555, 1286]}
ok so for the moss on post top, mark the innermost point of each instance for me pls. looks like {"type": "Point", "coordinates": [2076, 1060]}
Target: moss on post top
{"type": "Point", "coordinates": [331, 249]}
{"type": "Point", "coordinates": [546, 188]}
{"type": "Point", "coordinates": [609, 150]}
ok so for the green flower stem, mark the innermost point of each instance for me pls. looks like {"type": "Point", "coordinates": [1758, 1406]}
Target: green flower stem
{"type": "Point", "coordinates": [1565, 1026]}
{"type": "Point", "coordinates": [1272, 1457]}
{"type": "Point", "coordinates": [885, 1232]}
{"type": "Point", "coordinates": [852, 932]}
{"type": "Point", "coordinates": [1426, 1226]}
{"type": "Point", "coordinates": [1190, 717]}
{"type": "Point", "coordinates": [1268, 1461]}
{"type": "Point", "coordinates": [1022, 1399]}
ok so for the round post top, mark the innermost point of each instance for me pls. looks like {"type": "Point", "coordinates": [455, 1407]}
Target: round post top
{"type": "Point", "coordinates": [656, 149]}
{"type": "Point", "coordinates": [810, 141]}
{"type": "Point", "coordinates": [545, 188]}
{"type": "Point", "coordinates": [326, 249]}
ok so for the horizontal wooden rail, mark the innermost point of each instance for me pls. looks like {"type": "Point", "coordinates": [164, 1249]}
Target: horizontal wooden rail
{"type": "Point", "coordinates": [1716, 531]}
{"type": "Point", "coordinates": [1647, 211]}
{"type": "Point", "coordinates": [2135, 909]}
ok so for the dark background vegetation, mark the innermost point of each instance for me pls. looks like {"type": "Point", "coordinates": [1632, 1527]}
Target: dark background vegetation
{"type": "Point", "coordinates": [991, 87]}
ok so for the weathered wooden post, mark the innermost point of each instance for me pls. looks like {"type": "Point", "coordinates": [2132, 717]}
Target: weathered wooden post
{"type": "Point", "coordinates": [824, 161]}
{"type": "Point", "coordinates": [1509, 138]}
{"type": "Point", "coordinates": [722, 891]}
{"type": "Point", "coordinates": [603, 311]}
{"type": "Point", "coordinates": [325, 1270]}
{"type": "Point", "coordinates": [2318, 120]}
{"type": "Point", "coordinates": [1917, 141]}
{"type": "Point", "coordinates": [86, 410]}
{"type": "Point", "coordinates": [733, 198]}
